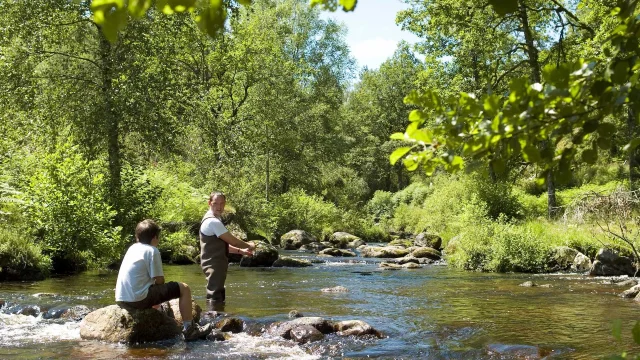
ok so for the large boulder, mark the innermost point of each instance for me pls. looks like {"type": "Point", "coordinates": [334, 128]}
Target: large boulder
{"type": "Point", "coordinates": [561, 258]}
{"type": "Point", "coordinates": [631, 293]}
{"type": "Point", "coordinates": [117, 324]}
{"type": "Point", "coordinates": [285, 261]}
{"type": "Point", "coordinates": [230, 324]}
{"type": "Point", "coordinates": [337, 252]}
{"type": "Point", "coordinates": [341, 240]}
{"type": "Point", "coordinates": [581, 263]}
{"type": "Point", "coordinates": [264, 255]}
{"type": "Point", "coordinates": [383, 252]}
{"type": "Point", "coordinates": [609, 263]}
{"type": "Point", "coordinates": [428, 240]}
{"type": "Point", "coordinates": [172, 309]}
{"type": "Point", "coordinates": [452, 245]}
{"type": "Point", "coordinates": [294, 239]}
{"type": "Point", "coordinates": [426, 252]}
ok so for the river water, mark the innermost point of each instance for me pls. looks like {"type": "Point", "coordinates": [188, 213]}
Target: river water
{"type": "Point", "coordinates": [428, 313]}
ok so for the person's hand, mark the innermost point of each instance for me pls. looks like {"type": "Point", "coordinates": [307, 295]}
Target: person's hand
{"type": "Point", "coordinates": [157, 307]}
{"type": "Point", "coordinates": [252, 246]}
{"type": "Point", "coordinates": [247, 252]}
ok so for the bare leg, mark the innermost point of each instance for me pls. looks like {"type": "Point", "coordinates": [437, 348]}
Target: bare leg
{"type": "Point", "coordinates": [185, 302]}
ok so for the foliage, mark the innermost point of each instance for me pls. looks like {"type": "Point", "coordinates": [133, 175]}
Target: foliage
{"type": "Point", "coordinates": [179, 247]}
{"type": "Point", "coordinates": [178, 200]}
{"type": "Point", "coordinates": [617, 334]}
{"type": "Point", "coordinates": [570, 101]}
{"type": "Point", "coordinates": [298, 210]}
{"type": "Point", "coordinates": [20, 258]}
{"type": "Point", "coordinates": [66, 212]}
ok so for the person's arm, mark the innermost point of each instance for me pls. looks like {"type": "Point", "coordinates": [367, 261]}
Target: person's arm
{"type": "Point", "coordinates": [155, 270]}
{"type": "Point", "coordinates": [235, 250]}
{"type": "Point", "coordinates": [159, 280]}
{"type": "Point", "coordinates": [235, 242]}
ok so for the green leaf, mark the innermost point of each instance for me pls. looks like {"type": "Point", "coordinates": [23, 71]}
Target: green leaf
{"type": "Point", "coordinates": [632, 145]}
{"type": "Point", "coordinates": [498, 166]}
{"type": "Point", "coordinates": [636, 332]}
{"type": "Point", "coordinates": [137, 8]}
{"type": "Point", "coordinates": [245, 2]}
{"type": "Point", "coordinates": [504, 7]}
{"type": "Point", "coordinates": [606, 129]}
{"type": "Point", "coordinates": [620, 73]}
{"type": "Point", "coordinates": [397, 136]}
{"type": "Point", "coordinates": [398, 153]}
{"type": "Point", "coordinates": [617, 329]}
{"type": "Point", "coordinates": [531, 154]}
{"type": "Point", "coordinates": [422, 135]}
{"type": "Point", "coordinates": [599, 87]}
{"type": "Point", "coordinates": [456, 163]}
{"type": "Point", "coordinates": [410, 164]}
{"type": "Point", "coordinates": [212, 19]}
{"type": "Point", "coordinates": [590, 156]}
{"type": "Point", "coordinates": [348, 5]}
{"type": "Point", "coordinates": [416, 116]}
{"type": "Point", "coordinates": [590, 126]}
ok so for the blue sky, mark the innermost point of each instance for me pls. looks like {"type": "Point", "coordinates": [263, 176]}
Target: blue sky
{"type": "Point", "coordinates": [372, 31]}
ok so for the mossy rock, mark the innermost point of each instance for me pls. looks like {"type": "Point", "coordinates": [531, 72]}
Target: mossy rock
{"type": "Point", "coordinates": [401, 242]}
{"type": "Point", "coordinates": [285, 261]}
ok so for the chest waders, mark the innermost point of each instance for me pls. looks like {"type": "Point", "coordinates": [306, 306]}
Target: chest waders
{"type": "Point", "coordinates": [214, 262]}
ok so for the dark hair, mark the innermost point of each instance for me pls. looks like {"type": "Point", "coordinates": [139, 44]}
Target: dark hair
{"type": "Point", "coordinates": [146, 230]}
{"type": "Point", "coordinates": [217, 193]}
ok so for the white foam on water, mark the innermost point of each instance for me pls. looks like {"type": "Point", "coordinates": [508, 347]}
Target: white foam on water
{"type": "Point", "coordinates": [247, 345]}
{"type": "Point", "coordinates": [16, 330]}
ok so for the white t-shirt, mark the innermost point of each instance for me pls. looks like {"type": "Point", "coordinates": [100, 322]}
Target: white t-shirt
{"type": "Point", "coordinates": [212, 226]}
{"type": "Point", "coordinates": [140, 265]}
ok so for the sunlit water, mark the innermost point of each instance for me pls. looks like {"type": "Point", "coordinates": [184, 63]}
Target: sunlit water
{"type": "Point", "coordinates": [433, 313]}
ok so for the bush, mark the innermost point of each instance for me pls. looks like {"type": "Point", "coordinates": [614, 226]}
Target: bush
{"type": "Point", "coordinates": [20, 258]}
{"type": "Point", "coordinates": [179, 247]}
{"type": "Point", "coordinates": [66, 211]}
{"type": "Point", "coordinates": [178, 201]}
{"type": "Point", "coordinates": [414, 194]}
{"type": "Point", "coordinates": [297, 210]}
{"type": "Point", "coordinates": [343, 186]}
{"type": "Point", "coordinates": [138, 198]}
{"type": "Point", "coordinates": [381, 206]}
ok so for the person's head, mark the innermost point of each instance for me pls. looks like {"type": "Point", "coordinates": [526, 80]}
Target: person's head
{"type": "Point", "coordinates": [217, 201]}
{"type": "Point", "coordinates": [148, 232]}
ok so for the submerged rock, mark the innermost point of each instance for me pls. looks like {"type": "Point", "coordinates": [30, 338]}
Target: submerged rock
{"type": "Point", "coordinates": [394, 266]}
{"type": "Point", "coordinates": [294, 239]}
{"type": "Point", "coordinates": [355, 328]}
{"type": "Point", "coordinates": [303, 334]}
{"type": "Point", "coordinates": [315, 247]}
{"type": "Point", "coordinates": [631, 293]}
{"type": "Point", "coordinates": [528, 284]}
{"type": "Point", "coordinates": [335, 289]}
{"type": "Point", "coordinates": [216, 335]}
{"type": "Point", "coordinates": [410, 259]}
{"type": "Point", "coordinates": [117, 324]}
{"type": "Point", "coordinates": [283, 329]}
{"type": "Point", "coordinates": [338, 252]}
{"type": "Point", "coordinates": [230, 324]}
{"type": "Point", "coordinates": [293, 314]}
{"type": "Point", "coordinates": [285, 261]}
{"type": "Point", "coordinates": [75, 313]}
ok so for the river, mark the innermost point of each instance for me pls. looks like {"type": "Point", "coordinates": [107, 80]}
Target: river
{"type": "Point", "coordinates": [430, 313]}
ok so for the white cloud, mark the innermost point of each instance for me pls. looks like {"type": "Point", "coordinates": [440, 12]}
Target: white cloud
{"type": "Point", "coordinates": [373, 52]}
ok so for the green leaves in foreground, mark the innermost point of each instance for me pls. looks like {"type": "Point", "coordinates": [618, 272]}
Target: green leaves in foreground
{"type": "Point", "coordinates": [332, 5]}
{"type": "Point", "coordinates": [113, 15]}
{"type": "Point", "coordinates": [542, 122]}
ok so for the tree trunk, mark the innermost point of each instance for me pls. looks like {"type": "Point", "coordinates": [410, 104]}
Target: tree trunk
{"type": "Point", "coordinates": [112, 127]}
{"type": "Point", "coordinates": [266, 185]}
{"type": "Point", "coordinates": [536, 77]}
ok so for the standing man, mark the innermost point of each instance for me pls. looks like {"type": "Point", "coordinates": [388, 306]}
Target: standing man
{"type": "Point", "coordinates": [216, 243]}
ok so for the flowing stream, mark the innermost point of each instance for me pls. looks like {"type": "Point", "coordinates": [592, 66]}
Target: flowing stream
{"type": "Point", "coordinates": [430, 313]}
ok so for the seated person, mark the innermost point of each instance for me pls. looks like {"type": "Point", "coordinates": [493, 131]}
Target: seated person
{"type": "Point", "coordinates": [141, 283]}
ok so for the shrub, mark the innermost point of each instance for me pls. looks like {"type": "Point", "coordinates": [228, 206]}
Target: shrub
{"type": "Point", "coordinates": [20, 258]}
{"type": "Point", "coordinates": [414, 194]}
{"type": "Point", "coordinates": [178, 201]}
{"type": "Point", "coordinates": [138, 197]}
{"type": "Point", "coordinates": [179, 247]}
{"type": "Point", "coordinates": [297, 210]}
{"type": "Point", "coordinates": [66, 211]}
{"type": "Point", "coordinates": [381, 206]}
{"type": "Point", "coordinates": [343, 186]}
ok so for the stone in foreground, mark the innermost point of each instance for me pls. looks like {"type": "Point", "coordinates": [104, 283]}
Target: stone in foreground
{"type": "Point", "coordinates": [117, 324]}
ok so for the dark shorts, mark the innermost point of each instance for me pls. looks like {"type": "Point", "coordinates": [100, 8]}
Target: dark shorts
{"type": "Point", "coordinates": [157, 295]}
